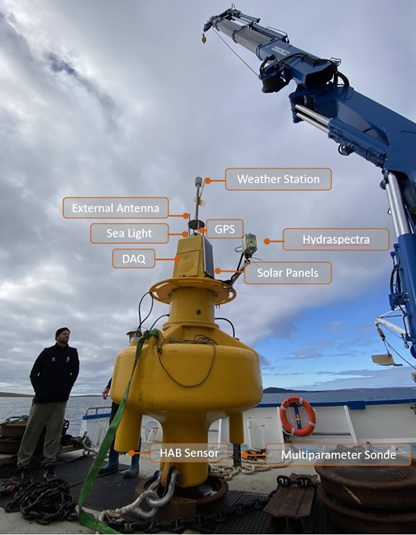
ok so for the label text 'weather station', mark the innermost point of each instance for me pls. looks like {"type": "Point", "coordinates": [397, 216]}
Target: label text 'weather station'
{"type": "Point", "coordinates": [278, 179]}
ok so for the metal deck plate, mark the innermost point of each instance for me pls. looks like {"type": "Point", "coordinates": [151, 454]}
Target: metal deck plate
{"type": "Point", "coordinates": [251, 522]}
{"type": "Point", "coordinates": [113, 491]}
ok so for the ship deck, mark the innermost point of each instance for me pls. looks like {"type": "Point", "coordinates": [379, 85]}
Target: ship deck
{"type": "Point", "coordinates": [113, 491]}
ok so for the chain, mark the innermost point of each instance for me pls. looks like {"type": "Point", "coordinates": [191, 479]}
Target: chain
{"type": "Point", "coordinates": [43, 501]}
{"type": "Point", "coordinates": [301, 481]}
{"type": "Point", "coordinates": [87, 445]}
{"type": "Point", "coordinates": [247, 468]}
{"type": "Point", "coordinates": [149, 498]}
{"type": "Point", "coordinates": [202, 522]}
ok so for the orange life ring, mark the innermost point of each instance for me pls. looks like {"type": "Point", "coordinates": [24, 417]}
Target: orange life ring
{"type": "Point", "coordinates": [287, 426]}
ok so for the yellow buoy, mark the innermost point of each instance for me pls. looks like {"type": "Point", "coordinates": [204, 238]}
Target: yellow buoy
{"type": "Point", "coordinates": [193, 373]}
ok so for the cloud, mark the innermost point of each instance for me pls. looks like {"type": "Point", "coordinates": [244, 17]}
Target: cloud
{"type": "Point", "coordinates": [106, 106]}
{"type": "Point", "coordinates": [264, 362]}
{"type": "Point", "coordinates": [307, 353]}
{"type": "Point", "coordinates": [58, 65]}
{"type": "Point", "coordinates": [336, 326]}
{"type": "Point", "coordinates": [364, 379]}
{"type": "Point", "coordinates": [349, 373]}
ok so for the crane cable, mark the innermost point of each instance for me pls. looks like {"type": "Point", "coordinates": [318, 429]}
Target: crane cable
{"type": "Point", "coordinates": [232, 50]}
{"type": "Point", "coordinates": [389, 347]}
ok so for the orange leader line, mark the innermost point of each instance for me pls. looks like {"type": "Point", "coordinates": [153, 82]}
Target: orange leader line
{"type": "Point", "coordinates": [132, 452]}
{"type": "Point", "coordinates": [166, 259]}
{"type": "Point", "coordinates": [276, 241]}
{"type": "Point", "coordinates": [179, 215]}
{"type": "Point", "coordinates": [245, 454]}
{"type": "Point", "coordinates": [217, 180]}
{"type": "Point", "coordinates": [229, 271]}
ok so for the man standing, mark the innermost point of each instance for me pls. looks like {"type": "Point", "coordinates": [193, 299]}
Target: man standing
{"type": "Point", "coordinates": [112, 465]}
{"type": "Point", "coordinates": [53, 375]}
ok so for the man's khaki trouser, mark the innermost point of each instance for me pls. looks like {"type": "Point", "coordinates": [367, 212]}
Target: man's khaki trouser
{"type": "Point", "coordinates": [50, 415]}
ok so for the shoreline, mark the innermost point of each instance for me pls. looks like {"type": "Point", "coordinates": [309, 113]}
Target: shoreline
{"type": "Point", "coordinates": [14, 395]}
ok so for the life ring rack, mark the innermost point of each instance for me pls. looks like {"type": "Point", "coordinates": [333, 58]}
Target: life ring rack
{"type": "Point", "coordinates": [287, 426]}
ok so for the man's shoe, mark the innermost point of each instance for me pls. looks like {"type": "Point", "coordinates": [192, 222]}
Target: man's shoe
{"type": "Point", "coordinates": [112, 464]}
{"type": "Point", "coordinates": [107, 469]}
{"type": "Point", "coordinates": [134, 467]}
{"type": "Point", "coordinates": [49, 473]}
{"type": "Point", "coordinates": [20, 474]}
{"type": "Point", "coordinates": [131, 472]}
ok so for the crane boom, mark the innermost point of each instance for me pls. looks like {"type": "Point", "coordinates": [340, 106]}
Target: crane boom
{"type": "Point", "coordinates": [325, 99]}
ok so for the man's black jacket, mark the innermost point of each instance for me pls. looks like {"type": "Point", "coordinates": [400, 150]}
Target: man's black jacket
{"type": "Point", "coordinates": [54, 374]}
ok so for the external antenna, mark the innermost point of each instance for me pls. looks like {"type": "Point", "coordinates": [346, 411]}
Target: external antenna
{"type": "Point", "coordinates": [198, 185]}
{"type": "Point", "coordinates": [196, 224]}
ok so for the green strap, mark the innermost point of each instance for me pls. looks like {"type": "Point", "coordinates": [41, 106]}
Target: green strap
{"type": "Point", "coordinates": [85, 518]}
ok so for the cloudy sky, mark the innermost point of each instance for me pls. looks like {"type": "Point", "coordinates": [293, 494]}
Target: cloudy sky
{"type": "Point", "coordinates": [106, 98]}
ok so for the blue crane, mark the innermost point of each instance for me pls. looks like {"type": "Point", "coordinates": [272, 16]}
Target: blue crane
{"type": "Point", "coordinates": [324, 99]}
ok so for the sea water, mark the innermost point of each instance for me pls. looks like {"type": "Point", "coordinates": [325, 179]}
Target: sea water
{"type": "Point", "coordinates": [75, 409]}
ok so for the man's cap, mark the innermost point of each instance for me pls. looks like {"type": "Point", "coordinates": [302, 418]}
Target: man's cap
{"type": "Point", "coordinates": [61, 330]}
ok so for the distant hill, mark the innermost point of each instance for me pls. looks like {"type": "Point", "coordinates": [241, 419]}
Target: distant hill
{"type": "Point", "coordinates": [345, 396]}
{"type": "Point", "coordinates": [275, 390]}
{"type": "Point", "coordinates": [14, 395]}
